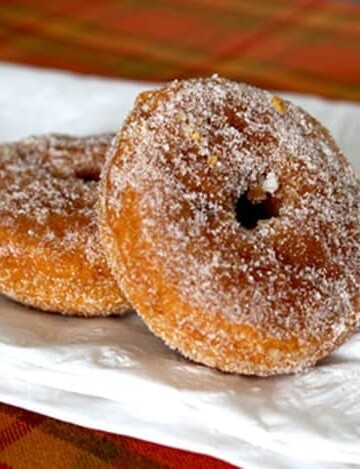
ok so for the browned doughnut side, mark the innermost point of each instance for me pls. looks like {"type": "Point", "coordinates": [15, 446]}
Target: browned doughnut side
{"type": "Point", "coordinates": [232, 223]}
{"type": "Point", "coordinates": [50, 253]}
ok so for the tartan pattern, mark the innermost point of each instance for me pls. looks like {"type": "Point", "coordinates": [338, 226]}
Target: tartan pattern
{"type": "Point", "coordinates": [29, 440]}
{"type": "Point", "coordinates": [308, 46]}
{"type": "Point", "coordinates": [302, 45]}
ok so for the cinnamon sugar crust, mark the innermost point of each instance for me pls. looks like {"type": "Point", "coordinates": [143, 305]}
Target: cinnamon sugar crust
{"type": "Point", "coordinates": [50, 254]}
{"type": "Point", "coordinates": [232, 222]}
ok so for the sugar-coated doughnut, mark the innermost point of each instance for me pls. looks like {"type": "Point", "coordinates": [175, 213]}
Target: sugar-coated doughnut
{"type": "Point", "coordinates": [50, 254]}
{"type": "Point", "coordinates": [232, 222]}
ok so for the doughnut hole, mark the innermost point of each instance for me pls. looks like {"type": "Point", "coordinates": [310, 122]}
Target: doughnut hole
{"type": "Point", "coordinates": [88, 174]}
{"type": "Point", "coordinates": [255, 205]}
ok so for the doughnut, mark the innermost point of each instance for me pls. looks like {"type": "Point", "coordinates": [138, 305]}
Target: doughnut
{"type": "Point", "coordinates": [50, 253]}
{"type": "Point", "coordinates": [231, 220]}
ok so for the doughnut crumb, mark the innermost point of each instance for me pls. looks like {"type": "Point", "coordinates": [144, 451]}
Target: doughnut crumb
{"type": "Point", "coordinates": [279, 104]}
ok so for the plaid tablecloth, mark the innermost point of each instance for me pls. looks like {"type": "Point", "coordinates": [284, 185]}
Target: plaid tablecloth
{"type": "Point", "coordinates": [304, 45]}
{"type": "Point", "coordinates": [308, 46]}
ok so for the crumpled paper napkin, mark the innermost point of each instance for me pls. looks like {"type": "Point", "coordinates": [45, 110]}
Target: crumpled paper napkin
{"type": "Point", "coordinates": [114, 375]}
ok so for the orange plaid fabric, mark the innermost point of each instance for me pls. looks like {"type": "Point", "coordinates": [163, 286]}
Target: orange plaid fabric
{"type": "Point", "coordinates": [29, 440]}
{"type": "Point", "coordinates": [301, 45]}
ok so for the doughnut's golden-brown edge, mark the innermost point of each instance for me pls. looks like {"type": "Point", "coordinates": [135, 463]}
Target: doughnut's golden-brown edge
{"type": "Point", "coordinates": [47, 276]}
{"type": "Point", "coordinates": [268, 355]}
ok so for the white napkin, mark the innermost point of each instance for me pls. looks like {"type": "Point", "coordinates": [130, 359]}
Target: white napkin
{"type": "Point", "coordinates": [112, 374]}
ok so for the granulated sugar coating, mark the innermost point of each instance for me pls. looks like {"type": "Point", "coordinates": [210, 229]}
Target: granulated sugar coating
{"type": "Point", "coordinates": [50, 254]}
{"type": "Point", "coordinates": [232, 222]}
